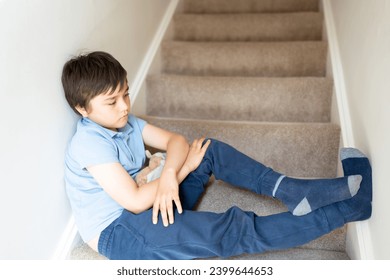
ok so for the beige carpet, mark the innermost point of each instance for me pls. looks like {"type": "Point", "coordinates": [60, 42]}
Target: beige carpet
{"type": "Point", "coordinates": [251, 73]}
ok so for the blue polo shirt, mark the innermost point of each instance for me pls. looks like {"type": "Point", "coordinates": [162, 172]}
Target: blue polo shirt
{"type": "Point", "coordinates": [92, 144]}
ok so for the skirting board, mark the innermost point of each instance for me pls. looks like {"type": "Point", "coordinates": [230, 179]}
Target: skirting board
{"type": "Point", "coordinates": [70, 237]}
{"type": "Point", "coordinates": [69, 240]}
{"type": "Point", "coordinates": [153, 48]}
{"type": "Point", "coordinates": [358, 235]}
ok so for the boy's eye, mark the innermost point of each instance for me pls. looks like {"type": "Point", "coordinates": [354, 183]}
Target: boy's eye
{"type": "Point", "coordinates": [126, 95]}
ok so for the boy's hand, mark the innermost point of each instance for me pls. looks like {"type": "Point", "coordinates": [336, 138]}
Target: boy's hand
{"type": "Point", "coordinates": [196, 153]}
{"type": "Point", "coordinates": [168, 189]}
{"type": "Point", "coordinates": [168, 192]}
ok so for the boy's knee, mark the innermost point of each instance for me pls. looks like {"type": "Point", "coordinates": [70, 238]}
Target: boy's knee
{"type": "Point", "coordinates": [235, 212]}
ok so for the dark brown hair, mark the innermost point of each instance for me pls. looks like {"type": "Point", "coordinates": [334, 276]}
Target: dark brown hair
{"type": "Point", "coordinates": [88, 75]}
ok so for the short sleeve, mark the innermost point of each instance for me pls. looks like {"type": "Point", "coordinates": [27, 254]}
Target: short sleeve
{"type": "Point", "coordinates": [91, 148]}
{"type": "Point", "coordinates": [137, 123]}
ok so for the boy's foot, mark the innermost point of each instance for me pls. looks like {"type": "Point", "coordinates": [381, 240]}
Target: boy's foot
{"type": "Point", "coordinates": [355, 162]}
{"type": "Point", "coordinates": [302, 196]}
{"type": "Point", "coordinates": [359, 207]}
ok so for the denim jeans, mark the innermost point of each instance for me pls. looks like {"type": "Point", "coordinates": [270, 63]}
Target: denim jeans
{"type": "Point", "coordinates": [200, 234]}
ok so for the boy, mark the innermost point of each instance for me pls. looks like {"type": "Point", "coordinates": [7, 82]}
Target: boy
{"type": "Point", "coordinates": [120, 220]}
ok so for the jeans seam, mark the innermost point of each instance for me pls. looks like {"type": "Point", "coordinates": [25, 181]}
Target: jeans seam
{"type": "Point", "coordinates": [261, 178]}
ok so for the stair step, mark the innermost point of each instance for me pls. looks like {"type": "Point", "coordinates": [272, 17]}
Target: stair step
{"type": "Point", "coordinates": [295, 149]}
{"type": "Point", "coordinates": [306, 99]}
{"type": "Point", "coordinates": [248, 27]}
{"type": "Point", "coordinates": [272, 59]}
{"type": "Point", "coordinates": [247, 6]}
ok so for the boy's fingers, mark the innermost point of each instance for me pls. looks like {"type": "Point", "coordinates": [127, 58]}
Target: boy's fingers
{"type": "Point", "coordinates": [159, 207]}
{"type": "Point", "coordinates": [197, 143]}
{"type": "Point", "coordinates": [200, 142]}
{"type": "Point", "coordinates": [178, 205]}
{"type": "Point", "coordinates": [206, 145]}
{"type": "Point", "coordinates": [171, 214]}
{"type": "Point", "coordinates": [164, 217]}
{"type": "Point", "coordinates": [167, 215]}
{"type": "Point", "coordinates": [155, 213]}
{"type": "Point", "coordinates": [171, 218]}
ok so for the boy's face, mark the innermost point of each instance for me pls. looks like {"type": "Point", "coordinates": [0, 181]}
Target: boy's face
{"type": "Point", "coordinates": [109, 110]}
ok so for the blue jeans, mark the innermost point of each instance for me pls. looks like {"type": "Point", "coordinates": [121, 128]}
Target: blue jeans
{"type": "Point", "coordinates": [199, 234]}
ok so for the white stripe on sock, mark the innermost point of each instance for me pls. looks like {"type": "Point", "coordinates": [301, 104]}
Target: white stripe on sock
{"type": "Point", "coordinates": [277, 184]}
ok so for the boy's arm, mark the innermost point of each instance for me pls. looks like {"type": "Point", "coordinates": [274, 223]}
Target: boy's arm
{"type": "Point", "coordinates": [115, 180]}
{"type": "Point", "coordinates": [176, 147]}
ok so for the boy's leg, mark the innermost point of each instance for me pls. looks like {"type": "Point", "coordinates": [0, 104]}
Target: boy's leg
{"type": "Point", "coordinates": [300, 196]}
{"type": "Point", "coordinates": [205, 234]}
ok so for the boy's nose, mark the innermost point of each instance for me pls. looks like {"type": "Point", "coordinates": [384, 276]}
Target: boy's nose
{"type": "Point", "coordinates": [123, 105]}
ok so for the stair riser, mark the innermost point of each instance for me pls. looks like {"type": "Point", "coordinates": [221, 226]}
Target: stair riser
{"type": "Point", "coordinates": [252, 99]}
{"type": "Point", "coordinates": [295, 59]}
{"type": "Point", "coordinates": [246, 6]}
{"type": "Point", "coordinates": [248, 27]}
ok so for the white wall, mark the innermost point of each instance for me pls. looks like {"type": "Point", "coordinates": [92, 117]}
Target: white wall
{"type": "Point", "coordinates": [363, 33]}
{"type": "Point", "coordinates": [36, 38]}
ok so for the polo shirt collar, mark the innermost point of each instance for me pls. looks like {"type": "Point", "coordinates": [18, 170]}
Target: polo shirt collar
{"type": "Point", "coordinates": [124, 131]}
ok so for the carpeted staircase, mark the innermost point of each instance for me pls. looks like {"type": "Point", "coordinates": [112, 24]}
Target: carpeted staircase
{"type": "Point", "coordinates": [251, 73]}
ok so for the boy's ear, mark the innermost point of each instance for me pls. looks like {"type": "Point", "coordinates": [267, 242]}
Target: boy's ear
{"type": "Point", "coordinates": [82, 111]}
